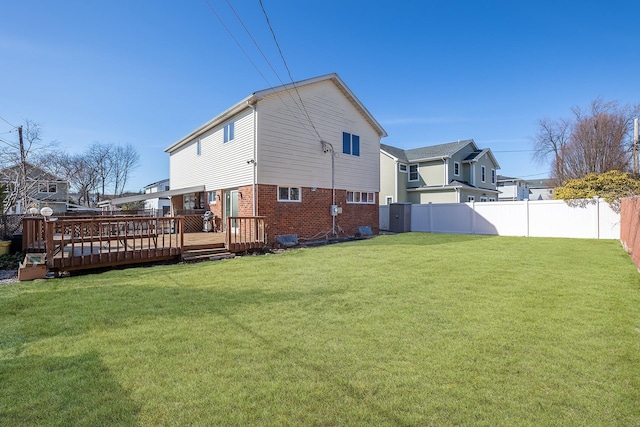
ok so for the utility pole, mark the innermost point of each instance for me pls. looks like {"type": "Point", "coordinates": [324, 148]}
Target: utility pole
{"type": "Point", "coordinates": [635, 147]}
{"type": "Point", "coordinates": [23, 173]}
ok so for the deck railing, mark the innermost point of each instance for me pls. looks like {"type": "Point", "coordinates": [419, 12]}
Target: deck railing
{"type": "Point", "coordinates": [245, 233]}
{"type": "Point", "coordinates": [73, 243]}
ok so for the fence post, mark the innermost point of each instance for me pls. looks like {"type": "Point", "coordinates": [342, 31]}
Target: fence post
{"type": "Point", "coordinates": [526, 216]}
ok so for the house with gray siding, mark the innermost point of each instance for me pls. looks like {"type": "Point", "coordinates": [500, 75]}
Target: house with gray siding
{"type": "Point", "coordinates": [454, 172]}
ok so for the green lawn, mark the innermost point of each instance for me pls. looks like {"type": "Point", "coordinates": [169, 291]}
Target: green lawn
{"type": "Point", "coordinates": [412, 329]}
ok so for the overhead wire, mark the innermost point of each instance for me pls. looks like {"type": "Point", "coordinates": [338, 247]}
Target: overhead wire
{"type": "Point", "coordinates": [275, 39]}
{"type": "Point", "coordinates": [7, 122]}
{"type": "Point", "coordinates": [213, 10]}
{"type": "Point", "coordinates": [246, 29]}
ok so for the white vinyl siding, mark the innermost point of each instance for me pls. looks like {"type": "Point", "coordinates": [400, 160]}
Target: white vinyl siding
{"type": "Point", "coordinates": [290, 152]}
{"type": "Point", "coordinates": [220, 165]}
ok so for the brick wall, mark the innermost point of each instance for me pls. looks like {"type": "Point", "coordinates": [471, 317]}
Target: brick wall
{"type": "Point", "coordinates": [311, 218]}
{"type": "Point", "coordinates": [630, 227]}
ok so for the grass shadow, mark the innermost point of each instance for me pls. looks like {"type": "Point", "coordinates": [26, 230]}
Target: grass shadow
{"type": "Point", "coordinates": [77, 390]}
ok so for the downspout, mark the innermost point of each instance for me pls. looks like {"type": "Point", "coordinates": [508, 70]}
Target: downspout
{"type": "Point", "coordinates": [395, 183]}
{"type": "Point", "coordinates": [255, 163]}
{"type": "Point", "coordinates": [446, 171]}
{"type": "Point", "coordinates": [326, 144]}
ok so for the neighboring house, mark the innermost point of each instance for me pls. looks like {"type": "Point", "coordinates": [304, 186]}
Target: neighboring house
{"type": "Point", "coordinates": [42, 189]}
{"type": "Point", "coordinates": [304, 156]}
{"type": "Point", "coordinates": [512, 189]}
{"type": "Point", "coordinates": [540, 189]}
{"type": "Point", "coordinates": [159, 205]}
{"type": "Point", "coordinates": [455, 172]}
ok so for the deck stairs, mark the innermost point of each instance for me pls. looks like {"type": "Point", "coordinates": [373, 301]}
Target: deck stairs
{"type": "Point", "coordinates": [195, 253]}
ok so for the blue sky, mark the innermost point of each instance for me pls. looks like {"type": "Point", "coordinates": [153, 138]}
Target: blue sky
{"type": "Point", "coordinates": [149, 72]}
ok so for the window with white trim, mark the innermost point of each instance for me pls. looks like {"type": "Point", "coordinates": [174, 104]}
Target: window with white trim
{"type": "Point", "coordinates": [471, 199]}
{"type": "Point", "coordinates": [492, 199]}
{"type": "Point", "coordinates": [413, 173]}
{"type": "Point", "coordinates": [362, 197]}
{"type": "Point", "coordinates": [350, 144]}
{"type": "Point", "coordinates": [456, 168]}
{"type": "Point", "coordinates": [402, 167]}
{"type": "Point", "coordinates": [211, 197]}
{"type": "Point", "coordinates": [229, 131]}
{"type": "Point", "coordinates": [389, 200]}
{"type": "Point", "coordinates": [289, 194]}
{"type": "Point", "coordinates": [47, 187]}
{"type": "Point", "coordinates": [483, 173]}
{"type": "Point", "coordinates": [483, 199]}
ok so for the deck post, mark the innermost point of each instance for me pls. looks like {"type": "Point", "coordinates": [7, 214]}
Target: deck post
{"type": "Point", "coordinates": [48, 233]}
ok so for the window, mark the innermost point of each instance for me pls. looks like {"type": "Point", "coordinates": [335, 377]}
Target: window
{"type": "Point", "coordinates": [402, 168]}
{"type": "Point", "coordinates": [289, 194]}
{"type": "Point", "coordinates": [198, 148]}
{"type": "Point", "coordinates": [456, 168]}
{"type": "Point", "coordinates": [483, 199]}
{"type": "Point", "coordinates": [362, 197]}
{"type": "Point", "coordinates": [492, 199]}
{"type": "Point", "coordinates": [47, 187]}
{"type": "Point", "coordinates": [229, 131]}
{"type": "Point", "coordinates": [350, 144]}
{"type": "Point", "coordinates": [413, 172]}
{"type": "Point", "coordinates": [471, 199]}
{"type": "Point", "coordinates": [211, 197]}
{"type": "Point", "coordinates": [483, 173]}
{"type": "Point", "coordinates": [493, 176]}
{"type": "Point", "coordinates": [389, 200]}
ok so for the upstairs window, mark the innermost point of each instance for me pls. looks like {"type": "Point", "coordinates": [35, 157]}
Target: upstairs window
{"type": "Point", "coordinates": [483, 173]}
{"type": "Point", "coordinates": [402, 167]}
{"type": "Point", "coordinates": [350, 144]}
{"type": "Point", "coordinates": [229, 132]}
{"type": "Point", "coordinates": [289, 194]}
{"type": "Point", "coordinates": [471, 199]}
{"type": "Point", "coordinates": [456, 168]}
{"type": "Point", "coordinates": [413, 172]}
{"type": "Point", "coordinates": [493, 176]}
{"type": "Point", "coordinates": [47, 187]}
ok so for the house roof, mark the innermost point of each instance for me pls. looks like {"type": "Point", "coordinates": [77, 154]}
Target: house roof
{"type": "Point", "coordinates": [255, 97]}
{"type": "Point", "coordinates": [33, 173]}
{"type": "Point", "coordinates": [453, 185]}
{"type": "Point", "coordinates": [427, 153]}
{"type": "Point", "coordinates": [158, 194]}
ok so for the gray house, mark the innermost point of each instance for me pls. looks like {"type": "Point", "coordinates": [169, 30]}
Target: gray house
{"type": "Point", "coordinates": [455, 172]}
{"type": "Point", "coordinates": [42, 189]}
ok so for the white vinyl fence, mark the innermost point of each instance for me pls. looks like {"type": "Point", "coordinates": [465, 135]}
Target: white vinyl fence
{"type": "Point", "coordinates": [544, 218]}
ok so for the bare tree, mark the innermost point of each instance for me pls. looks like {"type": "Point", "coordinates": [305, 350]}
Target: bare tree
{"type": "Point", "coordinates": [18, 161]}
{"type": "Point", "coordinates": [79, 171]}
{"type": "Point", "coordinates": [100, 155]}
{"type": "Point", "coordinates": [124, 160]}
{"type": "Point", "coordinates": [594, 141]}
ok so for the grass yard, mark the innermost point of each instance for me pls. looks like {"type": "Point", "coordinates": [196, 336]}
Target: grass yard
{"type": "Point", "coordinates": [411, 329]}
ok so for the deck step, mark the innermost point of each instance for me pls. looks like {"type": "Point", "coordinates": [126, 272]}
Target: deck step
{"type": "Point", "coordinates": [204, 254]}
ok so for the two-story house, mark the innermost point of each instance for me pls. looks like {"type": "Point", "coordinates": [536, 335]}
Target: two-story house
{"type": "Point", "coordinates": [305, 156]}
{"type": "Point", "coordinates": [156, 202]}
{"type": "Point", "coordinates": [446, 173]}
{"type": "Point", "coordinates": [39, 186]}
{"type": "Point", "coordinates": [512, 189]}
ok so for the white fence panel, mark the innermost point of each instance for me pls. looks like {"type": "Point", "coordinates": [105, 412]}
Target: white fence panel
{"type": "Point", "coordinates": [546, 218]}
{"type": "Point", "coordinates": [502, 218]}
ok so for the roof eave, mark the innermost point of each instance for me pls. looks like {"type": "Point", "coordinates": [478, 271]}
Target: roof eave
{"type": "Point", "coordinates": [216, 121]}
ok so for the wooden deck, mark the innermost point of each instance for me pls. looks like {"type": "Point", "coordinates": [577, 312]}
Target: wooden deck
{"type": "Point", "coordinates": [86, 243]}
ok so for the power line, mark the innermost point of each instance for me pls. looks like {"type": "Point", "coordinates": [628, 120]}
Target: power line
{"type": "Point", "coordinates": [5, 120]}
{"type": "Point", "coordinates": [256, 67]}
{"type": "Point", "coordinates": [287, 67]}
